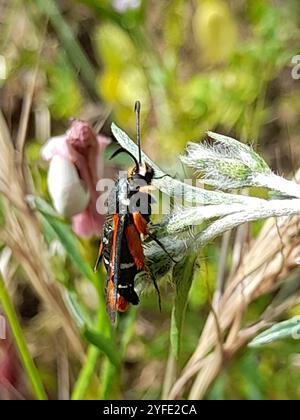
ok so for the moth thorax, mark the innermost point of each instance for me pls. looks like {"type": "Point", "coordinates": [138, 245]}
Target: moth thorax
{"type": "Point", "coordinates": [144, 171]}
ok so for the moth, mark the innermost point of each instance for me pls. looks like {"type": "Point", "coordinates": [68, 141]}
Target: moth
{"type": "Point", "coordinates": [121, 247]}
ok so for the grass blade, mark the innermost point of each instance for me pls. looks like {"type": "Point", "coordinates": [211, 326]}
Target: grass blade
{"type": "Point", "coordinates": [104, 344]}
{"type": "Point", "coordinates": [17, 332]}
{"type": "Point", "coordinates": [53, 223]}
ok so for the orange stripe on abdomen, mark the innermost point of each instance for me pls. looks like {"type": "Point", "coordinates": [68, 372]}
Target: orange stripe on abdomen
{"type": "Point", "coordinates": [140, 223]}
{"type": "Point", "coordinates": [135, 246]}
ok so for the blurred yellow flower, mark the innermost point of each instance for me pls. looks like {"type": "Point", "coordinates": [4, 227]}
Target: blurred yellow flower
{"type": "Point", "coordinates": [122, 80]}
{"type": "Point", "coordinates": [113, 46]}
{"type": "Point", "coordinates": [132, 86]}
{"type": "Point", "coordinates": [108, 85]}
{"type": "Point", "coordinates": [215, 30]}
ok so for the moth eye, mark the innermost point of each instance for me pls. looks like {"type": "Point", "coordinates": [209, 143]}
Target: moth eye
{"type": "Point", "coordinates": [132, 171]}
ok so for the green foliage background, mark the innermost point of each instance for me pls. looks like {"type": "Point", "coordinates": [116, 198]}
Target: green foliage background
{"type": "Point", "coordinates": [195, 65]}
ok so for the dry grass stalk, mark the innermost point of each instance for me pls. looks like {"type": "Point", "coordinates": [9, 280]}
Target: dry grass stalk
{"type": "Point", "coordinates": [22, 234]}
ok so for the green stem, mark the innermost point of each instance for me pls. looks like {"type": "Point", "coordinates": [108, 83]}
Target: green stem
{"type": "Point", "coordinates": [93, 353]}
{"type": "Point", "coordinates": [109, 372]}
{"type": "Point", "coordinates": [16, 330]}
{"type": "Point", "coordinates": [86, 373]}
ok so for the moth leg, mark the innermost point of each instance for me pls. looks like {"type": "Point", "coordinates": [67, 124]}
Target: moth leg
{"type": "Point", "coordinates": [163, 176]}
{"type": "Point", "coordinates": [150, 274]}
{"type": "Point", "coordinates": [162, 247]}
{"type": "Point", "coordinates": [99, 258]}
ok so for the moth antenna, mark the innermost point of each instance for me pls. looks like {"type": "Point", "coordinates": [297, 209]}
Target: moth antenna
{"type": "Point", "coordinates": [137, 109]}
{"type": "Point", "coordinates": [121, 150]}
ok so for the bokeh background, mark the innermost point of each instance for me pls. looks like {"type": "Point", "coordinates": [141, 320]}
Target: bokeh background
{"type": "Point", "coordinates": [195, 65]}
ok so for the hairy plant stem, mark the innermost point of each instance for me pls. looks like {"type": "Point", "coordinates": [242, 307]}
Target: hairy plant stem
{"type": "Point", "coordinates": [277, 183]}
{"type": "Point", "coordinates": [273, 208]}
